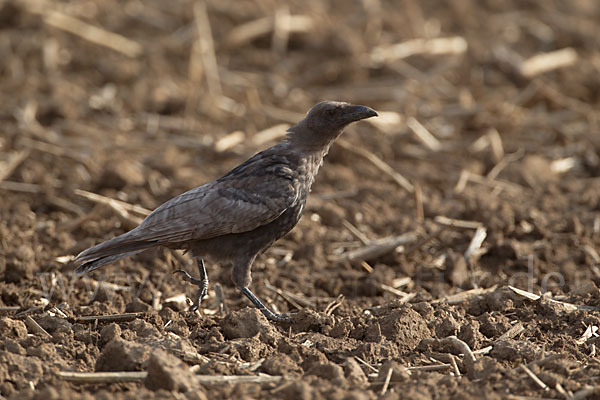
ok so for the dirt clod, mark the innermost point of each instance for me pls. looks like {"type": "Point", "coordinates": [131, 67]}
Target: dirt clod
{"type": "Point", "coordinates": [354, 373]}
{"type": "Point", "coordinates": [280, 364]}
{"type": "Point", "coordinates": [327, 370]}
{"type": "Point", "coordinates": [247, 323]}
{"type": "Point", "coordinates": [10, 328]}
{"type": "Point", "coordinates": [405, 327]}
{"type": "Point", "coordinates": [168, 372]}
{"type": "Point", "coordinates": [110, 332]}
{"type": "Point", "coordinates": [398, 372]}
{"type": "Point", "coordinates": [513, 350]}
{"type": "Point", "coordinates": [143, 328]}
{"type": "Point", "coordinates": [122, 355]}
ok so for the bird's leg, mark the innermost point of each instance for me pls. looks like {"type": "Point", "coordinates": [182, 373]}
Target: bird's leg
{"type": "Point", "coordinates": [202, 283]}
{"type": "Point", "coordinates": [272, 316]}
{"type": "Point", "coordinates": [241, 277]}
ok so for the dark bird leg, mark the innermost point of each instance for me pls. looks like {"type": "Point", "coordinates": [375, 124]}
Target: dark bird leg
{"type": "Point", "coordinates": [267, 313]}
{"type": "Point", "coordinates": [240, 275]}
{"type": "Point", "coordinates": [202, 283]}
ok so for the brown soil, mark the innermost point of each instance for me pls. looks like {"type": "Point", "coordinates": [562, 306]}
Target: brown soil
{"type": "Point", "coordinates": [144, 122]}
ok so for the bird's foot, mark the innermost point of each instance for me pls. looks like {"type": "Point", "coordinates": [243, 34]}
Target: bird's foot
{"type": "Point", "coordinates": [278, 317]}
{"type": "Point", "coordinates": [202, 283]}
{"type": "Point", "coordinates": [271, 316]}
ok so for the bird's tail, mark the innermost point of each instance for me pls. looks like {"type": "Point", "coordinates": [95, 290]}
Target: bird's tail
{"type": "Point", "coordinates": [110, 251]}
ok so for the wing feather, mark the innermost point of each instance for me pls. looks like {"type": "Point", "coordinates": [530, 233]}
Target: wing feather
{"type": "Point", "coordinates": [252, 195]}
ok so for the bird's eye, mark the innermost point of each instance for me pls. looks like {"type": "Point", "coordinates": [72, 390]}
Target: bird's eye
{"type": "Point", "coordinates": [329, 112]}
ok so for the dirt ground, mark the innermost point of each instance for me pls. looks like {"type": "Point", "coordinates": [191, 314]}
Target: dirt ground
{"type": "Point", "coordinates": [450, 248]}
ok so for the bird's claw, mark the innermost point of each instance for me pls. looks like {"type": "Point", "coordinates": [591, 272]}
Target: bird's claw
{"type": "Point", "coordinates": [193, 308]}
{"type": "Point", "coordinates": [189, 278]}
{"type": "Point", "coordinates": [279, 317]}
{"type": "Point", "coordinates": [202, 283]}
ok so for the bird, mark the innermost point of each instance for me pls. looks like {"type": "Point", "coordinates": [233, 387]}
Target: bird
{"type": "Point", "coordinates": [241, 214]}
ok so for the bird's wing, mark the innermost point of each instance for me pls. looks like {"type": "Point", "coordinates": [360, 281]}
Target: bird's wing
{"type": "Point", "coordinates": [246, 198]}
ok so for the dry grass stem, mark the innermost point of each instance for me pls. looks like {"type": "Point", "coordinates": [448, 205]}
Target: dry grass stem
{"type": "Point", "coordinates": [220, 299]}
{"type": "Point", "coordinates": [454, 365]}
{"type": "Point", "coordinates": [399, 282]}
{"type": "Point", "coordinates": [376, 248]}
{"type": "Point", "coordinates": [419, 213]}
{"type": "Point", "coordinates": [457, 223]}
{"type": "Point", "coordinates": [290, 297]}
{"type": "Point", "coordinates": [563, 392]}
{"type": "Point", "coordinates": [36, 328]}
{"type": "Point", "coordinates": [558, 97]}
{"type": "Point", "coordinates": [11, 163]}
{"type": "Point", "coordinates": [534, 377]}
{"type": "Point", "coordinates": [123, 209]}
{"type": "Point", "coordinates": [525, 293]}
{"type": "Point", "coordinates": [32, 310]}
{"type": "Point", "coordinates": [545, 62]}
{"type": "Point", "coordinates": [107, 285]}
{"type": "Point", "coordinates": [88, 32]}
{"type": "Point", "coordinates": [379, 163]}
{"type": "Point", "coordinates": [367, 267]}
{"type": "Point", "coordinates": [590, 332]}
{"type": "Point", "coordinates": [467, 176]}
{"type": "Point", "coordinates": [407, 297]}
{"type": "Point", "coordinates": [567, 306]}
{"type": "Point", "coordinates": [110, 318]}
{"type": "Point", "coordinates": [366, 364]}
{"type": "Point", "coordinates": [356, 232]}
{"type": "Point", "coordinates": [249, 31]}
{"type": "Point", "coordinates": [388, 122]}
{"type": "Point", "coordinates": [485, 350]}
{"type": "Point", "coordinates": [237, 379]}
{"type": "Point", "coordinates": [98, 198]}
{"type": "Point", "coordinates": [424, 135]}
{"type": "Point", "coordinates": [333, 305]}
{"type": "Point", "coordinates": [21, 187]}
{"type": "Point", "coordinates": [474, 248]}
{"type": "Point", "coordinates": [281, 30]}
{"type": "Point", "coordinates": [436, 46]}
{"type": "Point", "coordinates": [9, 309]}
{"type": "Point", "coordinates": [270, 134]}
{"type": "Point", "coordinates": [386, 382]}
{"type": "Point", "coordinates": [102, 377]}
{"type": "Point", "coordinates": [512, 332]}
{"type": "Point", "coordinates": [230, 140]}
{"type": "Point", "coordinates": [207, 49]}
{"type": "Point", "coordinates": [464, 296]}
{"type": "Point", "coordinates": [60, 151]}
{"type": "Point", "coordinates": [503, 163]}
{"type": "Point", "coordinates": [392, 290]}
{"type": "Point", "coordinates": [563, 165]}
{"type": "Point", "coordinates": [496, 144]}
{"type": "Point", "coordinates": [179, 299]}
{"type": "Point", "coordinates": [437, 367]}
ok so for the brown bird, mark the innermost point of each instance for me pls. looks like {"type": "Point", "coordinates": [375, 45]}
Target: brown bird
{"type": "Point", "coordinates": [241, 214]}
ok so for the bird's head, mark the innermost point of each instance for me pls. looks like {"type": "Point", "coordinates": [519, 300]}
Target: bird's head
{"type": "Point", "coordinates": [333, 116]}
{"type": "Point", "coordinates": [325, 121]}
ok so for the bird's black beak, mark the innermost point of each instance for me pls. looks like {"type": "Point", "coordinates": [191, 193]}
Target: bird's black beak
{"type": "Point", "coordinates": [356, 113]}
